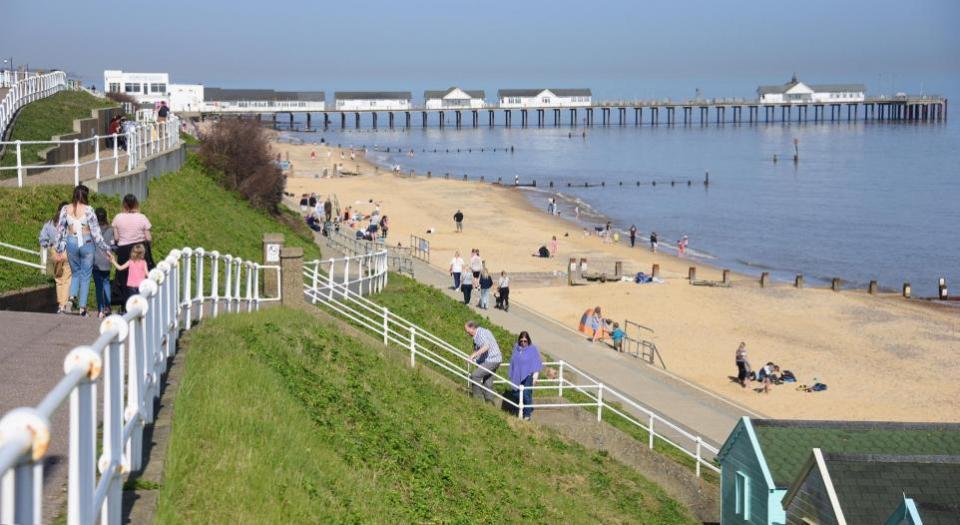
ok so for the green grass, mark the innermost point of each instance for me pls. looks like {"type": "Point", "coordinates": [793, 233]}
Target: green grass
{"type": "Point", "coordinates": [186, 208]}
{"type": "Point", "coordinates": [445, 317]}
{"type": "Point", "coordinates": [43, 119]}
{"type": "Point", "coordinates": [282, 418]}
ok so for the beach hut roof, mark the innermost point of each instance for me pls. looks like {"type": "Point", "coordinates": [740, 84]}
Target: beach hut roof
{"type": "Point", "coordinates": [214, 94]}
{"type": "Point", "coordinates": [372, 95]}
{"type": "Point", "coordinates": [474, 93]}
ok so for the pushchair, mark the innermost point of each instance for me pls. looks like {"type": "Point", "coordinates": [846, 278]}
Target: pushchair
{"type": "Point", "coordinates": [503, 299]}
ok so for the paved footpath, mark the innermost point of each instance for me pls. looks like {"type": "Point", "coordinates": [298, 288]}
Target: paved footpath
{"type": "Point", "coordinates": [32, 349]}
{"type": "Point", "coordinates": [689, 406]}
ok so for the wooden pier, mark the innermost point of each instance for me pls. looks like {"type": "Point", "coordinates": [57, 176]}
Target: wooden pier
{"type": "Point", "coordinates": [698, 112]}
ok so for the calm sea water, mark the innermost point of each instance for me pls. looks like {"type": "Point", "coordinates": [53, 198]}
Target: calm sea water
{"type": "Point", "coordinates": [866, 201]}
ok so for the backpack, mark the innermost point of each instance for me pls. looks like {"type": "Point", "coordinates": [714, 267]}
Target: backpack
{"type": "Point", "coordinates": [818, 387]}
{"type": "Point", "coordinates": [788, 377]}
{"type": "Point", "coordinates": [544, 252]}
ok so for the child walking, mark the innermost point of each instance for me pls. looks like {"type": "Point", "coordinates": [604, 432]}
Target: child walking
{"type": "Point", "coordinates": [101, 266]}
{"type": "Point", "coordinates": [136, 268]}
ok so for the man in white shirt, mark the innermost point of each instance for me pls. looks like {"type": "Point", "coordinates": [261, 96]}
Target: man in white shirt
{"type": "Point", "coordinates": [456, 269]}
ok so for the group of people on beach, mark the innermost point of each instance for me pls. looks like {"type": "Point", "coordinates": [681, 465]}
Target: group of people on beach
{"type": "Point", "coordinates": [768, 375]}
{"type": "Point", "coordinates": [598, 328]}
{"type": "Point", "coordinates": [471, 275]}
{"type": "Point", "coordinates": [323, 218]}
{"type": "Point", "coordinates": [525, 366]}
{"type": "Point", "coordinates": [83, 245]}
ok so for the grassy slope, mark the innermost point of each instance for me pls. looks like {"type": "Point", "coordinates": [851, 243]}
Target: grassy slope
{"type": "Point", "coordinates": [45, 118]}
{"type": "Point", "coordinates": [445, 317]}
{"type": "Point", "coordinates": [186, 208]}
{"type": "Point", "coordinates": [282, 419]}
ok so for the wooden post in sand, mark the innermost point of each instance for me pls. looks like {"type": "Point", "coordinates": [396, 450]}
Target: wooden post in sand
{"type": "Point", "coordinates": [655, 272]}
{"type": "Point", "coordinates": [692, 273]}
{"type": "Point", "coordinates": [764, 279]}
{"type": "Point", "coordinates": [798, 281]}
{"type": "Point", "coordinates": [571, 269]}
{"type": "Point", "coordinates": [872, 287]}
{"type": "Point", "coordinates": [835, 284]}
{"type": "Point", "coordinates": [726, 276]}
{"type": "Point", "coordinates": [906, 290]}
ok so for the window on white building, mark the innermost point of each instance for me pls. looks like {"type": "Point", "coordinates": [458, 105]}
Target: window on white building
{"type": "Point", "coordinates": [513, 100]}
{"type": "Point", "coordinates": [158, 88]}
{"type": "Point", "coordinates": [742, 496]}
{"type": "Point", "coordinates": [131, 88]}
{"type": "Point", "coordinates": [114, 87]}
{"type": "Point", "coordinates": [545, 100]}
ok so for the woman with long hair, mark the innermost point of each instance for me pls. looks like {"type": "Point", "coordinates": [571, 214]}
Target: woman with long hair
{"type": "Point", "coordinates": [78, 236]}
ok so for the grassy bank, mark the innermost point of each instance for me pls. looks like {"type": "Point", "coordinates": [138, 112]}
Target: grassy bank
{"type": "Point", "coordinates": [445, 317]}
{"type": "Point", "coordinates": [187, 208]}
{"type": "Point", "coordinates": [43, 119]}
{"type": "Point", "coordinates": [283, 419]}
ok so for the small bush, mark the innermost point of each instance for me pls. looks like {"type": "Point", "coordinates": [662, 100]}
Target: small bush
{"type": "Point", "coordinates": [121, 98]}
{"type": "Point", "coordinates": [240, 151]}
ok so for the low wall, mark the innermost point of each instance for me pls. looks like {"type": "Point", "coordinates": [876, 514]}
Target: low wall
{"type": "Point", "coordinates": [136, 181]}
{"type": "Point", "coordinates": [83, 128]}
{"type": "Point", "coordinates": [39, 299]}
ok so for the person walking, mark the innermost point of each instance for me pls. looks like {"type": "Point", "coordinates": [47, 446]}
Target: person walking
{"type": "Point", "coordinates": [653, 242]}
{"type": "Point", "coordinates": [101, 267]}
{"type": "Point", "coordinates": [78, 236]}
{"type": "Point", "coordinates": [458, 219]}
{"type": "Point", "coordinates": [58, 268]}
{"type": "Point", "coordinates": [456, 269]}
{"type": "Point", "coordinates": [163, 112]}
{"type": "Point", "coordinates": [135, 268]}
{"type": "Point", "coordinates": [486, 355]}
{"type": "Point", "coordinates": [525, 365]}
{"type": "Point", "coordinates": [327, 209]}
{"type": "Point", "coordinates": [131, 228]}
{"type": "Point", "coordinates": [503, 292]}
{"type": "Point", "coordinates": [384, 226]}
{"type": "Point", "coordinates": [633, 235]}
{"type": "Point", "coordinates": [486, 283]}
{"type": "Point", "coordinates": [743, 366]}
{"type": "Point", "coordinates": [466, 288]}
{"type": "Point", "coordinates": [476, 264]}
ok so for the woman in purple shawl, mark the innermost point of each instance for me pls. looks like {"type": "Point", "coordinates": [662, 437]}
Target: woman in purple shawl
{"type": "Point", "coordinates": [525, 364]}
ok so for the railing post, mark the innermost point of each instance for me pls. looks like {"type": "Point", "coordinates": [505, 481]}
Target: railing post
{"type": "Point", "coordinates": [237, 279]}
{"type": "Point", "coordinates": [111, 460]}
{"type": "Point", "coordinates": [19, 166]}
{"type": "Point", "coordinates": [135, 354]}
{"type": "Point", "coordinates": [188, 317]}
{"type": "Point", "coordinates": [200, 254]}
{"type": "Point", "coordinates": [44, 253]}
{"type": "Point", "coordinates": [250, 270]}
{"type": "Point", "coordinates": [346, 276]}
{"type": "Point", "coordinates": [215, 282]}
{"type": "Point", "coordinates": [256, 288]}
{"type": "Point", "coordinates": [83, 437]}
{"type": "Point", "coordinates": [20, 492]}
{"type": "Point", "coordinates": [96, 153]}
{"type": "Point", "coordinates": [116, 156]}
{"type": "Point", "coordinates": [330, 279]}
{"type": "Point", "coordinates": [520, 402]}
{"type": "Point", "coordinates": [651, 433]}
{"type": "Point", "coordinates": [228, 282]}
{"type": "Point", "coordinates": [699, 445]}
{"type": "Point", "coordinates": [413, 345]}
{"type": "Point", "coordinates": [76, 162]}
{"type": "Point", "coordinates": [600, 402]}
{"type": "Point", "coordinates": [314, 281]}
{"type": "Point", "coordinates": [560, 379]}
{"type": "Point", "coordinates": [386, 328]}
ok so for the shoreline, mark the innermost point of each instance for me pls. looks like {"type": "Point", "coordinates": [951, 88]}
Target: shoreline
{"type": "Point", "coordinates": [862, 346]}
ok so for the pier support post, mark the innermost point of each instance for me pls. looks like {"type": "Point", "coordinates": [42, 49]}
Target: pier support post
{"type": "Point", "coordinates": [309, 125]}
{"type": "Point", "coordinates": [764, 279]}
{"type": "Point", "coordinates": [798, 281]}
{"type": "Point", "coordinates": [374, 114]}
{"type": "Point", "coordinates": [356, 120]}
{"type": "Point", "coordinates": [423, 119]}
{"type": "Point", "coordinates": [407, 115]}
{"type": "Point", "coordinates": [443, 119]}
{"type": "Point", "coordinates": [490, 118]}
{"type": "Point", "coordinates": [343, 120]}
{"type": "Point", "coordinates": [390, 118]}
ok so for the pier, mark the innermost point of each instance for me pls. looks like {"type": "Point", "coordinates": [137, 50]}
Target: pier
{"type": "Point", "coordinates": [901, 109]}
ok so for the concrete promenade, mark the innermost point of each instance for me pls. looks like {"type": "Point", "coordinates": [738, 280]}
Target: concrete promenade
{"type": "Point", "coordinates": [689, 406]}
{"type": "Point", "coordinates": [32, 351]}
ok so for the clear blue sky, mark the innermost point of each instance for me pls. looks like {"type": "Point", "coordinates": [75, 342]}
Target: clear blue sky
{"type": "Point", "coordinates": [618, 48]}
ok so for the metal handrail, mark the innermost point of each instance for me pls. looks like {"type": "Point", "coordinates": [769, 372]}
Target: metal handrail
{"type": "Point", "coordinates": [336, 294]}
{"type": "Point", "coordinates": [27, 90]}
{"type": "Point", "coordinates": [142, 140]}
{"type": "Point", "coordinates": [131, 356]}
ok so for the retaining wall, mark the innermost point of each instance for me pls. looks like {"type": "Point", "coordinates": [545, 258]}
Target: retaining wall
{"type": "Point", "coordinates": [136, 181]}
{"type": "Point", "coordinates": [83, 128]}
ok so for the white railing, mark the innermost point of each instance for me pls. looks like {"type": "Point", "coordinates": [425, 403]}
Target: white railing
{"type": "Point", "coordinates": [29, 89]}
{"type": "Point", "coordinates": [339, 295]}
{"type": "Point", "coordinates": [40, 256]}
{"type": "Point", "coordinates": [367, 273]}
{"type": "Point", "coordinates": [112, 154]}
{"type": "Point", "coordinates": [130, 358]}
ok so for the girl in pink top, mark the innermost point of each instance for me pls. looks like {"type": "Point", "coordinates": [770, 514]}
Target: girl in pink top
{"type": "Point", "coordinates": [136, 268]}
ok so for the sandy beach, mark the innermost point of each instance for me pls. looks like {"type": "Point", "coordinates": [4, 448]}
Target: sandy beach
{"type": "Point", "coordinates": [882, 357]}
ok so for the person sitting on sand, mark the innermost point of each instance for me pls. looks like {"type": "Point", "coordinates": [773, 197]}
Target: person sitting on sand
{"type": "Point", "coordinates": [541, 252]}
{"type": "Point", "coordinates": [767, 375]}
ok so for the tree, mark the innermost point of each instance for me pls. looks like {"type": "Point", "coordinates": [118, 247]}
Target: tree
{"type": "Point", "coordinates": [238, 152]}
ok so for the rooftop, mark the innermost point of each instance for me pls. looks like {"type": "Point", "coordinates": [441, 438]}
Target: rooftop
{"type": "Point", "coordinates": [560, 92]}
{"type": "Point", "coordinates": [787, 444]}
{"type": "Point", "coordinates": [870, 487]}
{"type": "Point", "coordinates": [475, 93]}
{"type": "Point", "coordinates": [231, 95]}
{"type": "Point", "coordinates": [819, 88]}
{"type": "Point", "coordinates": [372, 95]}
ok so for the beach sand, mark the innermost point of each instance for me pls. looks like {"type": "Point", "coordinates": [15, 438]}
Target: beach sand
{"type": "Point", "coordinates": [882, 357]}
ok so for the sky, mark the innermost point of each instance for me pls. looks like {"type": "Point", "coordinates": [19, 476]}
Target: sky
{"type": "Point", "coordinates": [620, 49]}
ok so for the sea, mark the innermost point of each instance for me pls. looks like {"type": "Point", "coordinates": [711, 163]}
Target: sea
{"type": "Point", "coordinates": [866, 200]}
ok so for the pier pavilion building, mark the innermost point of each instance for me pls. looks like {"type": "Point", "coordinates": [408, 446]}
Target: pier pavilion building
{"type": "Point", "coordinates": [373, 100]}
{"type": "Point", "coordinates": [454, 98]}
{"type": "Point", "coordinates": [544, 98]}
{"type": "Point", "coordinates": [796, 92]}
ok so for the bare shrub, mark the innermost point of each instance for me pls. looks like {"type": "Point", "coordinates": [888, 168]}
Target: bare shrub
{"type": "Point", "coordinates": [238, 152]}
{"type": "Point", "coordinates": [121, 98]}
